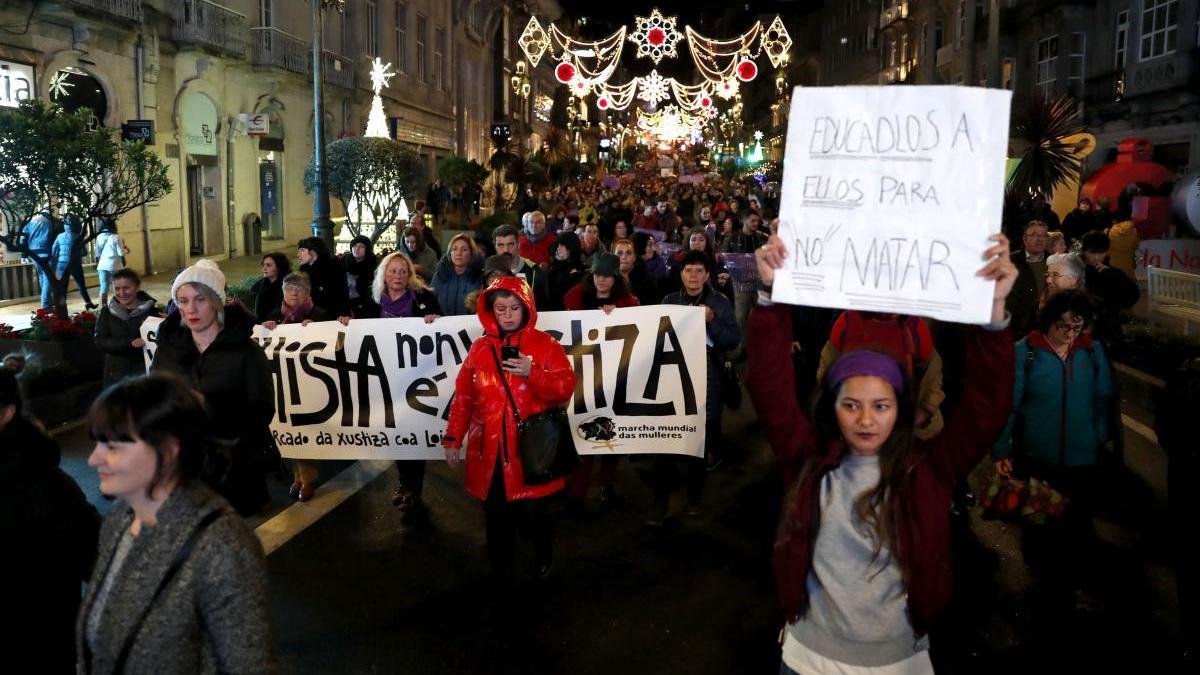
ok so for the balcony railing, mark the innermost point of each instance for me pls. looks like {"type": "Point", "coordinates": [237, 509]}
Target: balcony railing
{"type": "Point", "coordinates": [276, 48]}
{"type": "Point", "coordinates": [339, 70]}
{"type": "Point", "coordinates": [895, 12]}
{"type": "Point", "coordinates": [122, 9]}
{"type": "Point", "coordinates": [209, 25]}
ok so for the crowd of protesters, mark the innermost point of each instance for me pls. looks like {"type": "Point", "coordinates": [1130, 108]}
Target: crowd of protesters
{"type": "Point", "coordinates": [898, 419]}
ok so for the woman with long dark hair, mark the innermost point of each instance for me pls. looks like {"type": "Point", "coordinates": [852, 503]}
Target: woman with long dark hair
{"type": "Point", "coordinates": [566, 270]}
{"type": "Point", "coordinates": [863, 549]}
{"type": "Point", "coordinates": [268, 291]}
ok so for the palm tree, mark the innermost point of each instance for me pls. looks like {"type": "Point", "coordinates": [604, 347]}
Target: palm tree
{"type": "Point", "coordinates": [499, 163]}
{"type": "Point", "coordinates": [1049, 158]}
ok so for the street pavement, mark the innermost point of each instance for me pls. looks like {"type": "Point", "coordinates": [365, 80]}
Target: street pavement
{"type": "Point", "coordinates": [359, 590]}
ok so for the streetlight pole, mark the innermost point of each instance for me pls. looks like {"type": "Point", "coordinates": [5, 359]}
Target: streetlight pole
{"type": "Point", "coordinates": [322, 226]}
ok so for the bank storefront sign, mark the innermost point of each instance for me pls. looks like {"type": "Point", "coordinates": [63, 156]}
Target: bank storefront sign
{"type": "Point", "coordinates": [199, 125]}
{"type": "Point", "coordinates": [16, 83]}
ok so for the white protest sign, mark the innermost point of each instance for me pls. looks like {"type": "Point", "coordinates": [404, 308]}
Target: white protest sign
{"type": "Point", "coordinates": [889, 196]}
{"type": "Point", "coordinates": [381, 388]}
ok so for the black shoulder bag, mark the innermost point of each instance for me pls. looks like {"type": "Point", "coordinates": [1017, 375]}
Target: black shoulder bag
{"type": "Point", "coordinates": [180, 558]}
{"type": "Point", "coordinates": [546, 448]}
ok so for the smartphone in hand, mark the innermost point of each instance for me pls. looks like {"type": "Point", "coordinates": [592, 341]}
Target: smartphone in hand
{"type": "Point", "coordinates": [509, 352]}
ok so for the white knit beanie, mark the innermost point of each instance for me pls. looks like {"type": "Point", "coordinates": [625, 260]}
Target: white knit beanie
{"type": "Point", "coordinates": [204, 272]}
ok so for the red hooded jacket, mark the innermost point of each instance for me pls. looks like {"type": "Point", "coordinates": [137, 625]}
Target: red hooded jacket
{"type": "Point", "coordinates": [481, 412]}
{"type": "Point", "coordinates": [936, 466]}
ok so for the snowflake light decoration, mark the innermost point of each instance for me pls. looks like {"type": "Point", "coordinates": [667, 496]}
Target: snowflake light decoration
{"type": "Point", "coordinates": [727, 88]}
{"type": "Point", "coordinates": [655, 36]}
{"type": "Point", "coordinates": [534, 41]}
{"type": "Point", "coordinates": [381, 73]}
{"type": "Point", "coordinates": [58, 84]}
{"type": "Point", "coordinates": [654, 89]}
{"type": "Point", "coordinates": [758, 135]}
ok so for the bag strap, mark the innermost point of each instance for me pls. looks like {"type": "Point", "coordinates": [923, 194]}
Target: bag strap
{"type": "Point", "coordinates": [504, 381]}
{"type": "Point", "coordinates": [180, 558]}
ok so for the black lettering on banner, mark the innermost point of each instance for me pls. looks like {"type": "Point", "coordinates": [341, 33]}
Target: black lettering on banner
{"type": "Point", "coordinates": [331, 398]}
{"type": "Point", "coordinates": [423, 387]}
{"type": "Point", "coordinates": [666, 331]}
{"type": "Point", "coordinates": [369, 364]}
{"type": "Point", "coordinates": [577, 351]}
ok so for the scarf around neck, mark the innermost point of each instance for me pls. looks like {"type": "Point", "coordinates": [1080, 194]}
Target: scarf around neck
{"type": "Point", "coordinates": [399, 308]}
{"type": "Point", "coordinates": [296, 314]}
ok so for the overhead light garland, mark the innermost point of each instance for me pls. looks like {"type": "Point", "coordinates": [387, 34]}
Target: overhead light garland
{"type": "Point", "coordinates": [656, 36]}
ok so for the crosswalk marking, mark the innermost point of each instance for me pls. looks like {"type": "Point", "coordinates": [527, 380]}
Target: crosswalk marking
{"type": "Point", "coordinates": [293, 520]}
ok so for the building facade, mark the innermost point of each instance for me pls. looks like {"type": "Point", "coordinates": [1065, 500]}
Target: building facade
{"type": "Point", "coordinates": [197, 69]}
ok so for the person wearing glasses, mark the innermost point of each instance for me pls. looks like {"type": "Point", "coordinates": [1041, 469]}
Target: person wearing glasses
{"type": "Point", "coordinates": [1058, 432]}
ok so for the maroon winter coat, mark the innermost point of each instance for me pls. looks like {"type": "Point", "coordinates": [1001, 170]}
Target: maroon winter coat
{"type": "Point", "coordinates": [938, 465]}
{"type": "Point", "coordinates": [481, 411]}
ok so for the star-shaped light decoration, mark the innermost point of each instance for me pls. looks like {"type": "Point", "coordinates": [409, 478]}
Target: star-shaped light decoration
{"type": "Point", "coordinates": [654, 89]}
{"type": "Point", "coordinates": [59, 86]}
{"type": "Point", "coordinates": [776, 42]}
{"type": "Point", "coordinates": [727, 89]}
{"type": "Point", "coordinates": [380, 74]}
{"type": "Point", "coordinates": [655, 36]}
{"type": "Point", "coordinates": [758, 135]}
{"type": "Point", "coordinates": [534, 41]}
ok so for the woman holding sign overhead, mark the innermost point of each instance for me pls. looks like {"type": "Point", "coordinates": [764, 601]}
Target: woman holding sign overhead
{"type": "Point", "coordinates": [512, 362]}
{"type": "Point", "coordinates": [862, 557]}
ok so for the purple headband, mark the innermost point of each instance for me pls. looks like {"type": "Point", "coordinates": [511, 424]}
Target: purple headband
{"type": "Point", "coordinates": [865, 362]}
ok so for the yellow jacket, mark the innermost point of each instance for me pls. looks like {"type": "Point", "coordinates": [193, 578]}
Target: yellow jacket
{"type": "Point", "coordinates": [1123, 238]}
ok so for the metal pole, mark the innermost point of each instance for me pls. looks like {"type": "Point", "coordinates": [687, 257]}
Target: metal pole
{"type": "Point", "coordinates": [322, 226]}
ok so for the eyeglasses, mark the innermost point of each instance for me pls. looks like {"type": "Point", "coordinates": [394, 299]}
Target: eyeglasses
{"type": "Point", "coordinates": [1070, 327]}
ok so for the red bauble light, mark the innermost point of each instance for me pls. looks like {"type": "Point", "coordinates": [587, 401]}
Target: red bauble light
{"type": "Point", "coordinates": [602, 103]}
{"type": "Point", "coordinates": [746, 70]}
{"type": "Point", "coordinates": [564, 72]}
{"type": "Point", "coordinates": [705, 101]}
{"type": "Point", "coordinates": [656, 36]}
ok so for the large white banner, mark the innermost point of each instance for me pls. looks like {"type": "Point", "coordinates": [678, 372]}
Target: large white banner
{"type": "Point", "coordinates": [889, 196]}
{"type": "Point", "coordinates": [381, 388]}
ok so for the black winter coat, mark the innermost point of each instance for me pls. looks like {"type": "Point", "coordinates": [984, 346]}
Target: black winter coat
{"type": "Point", "coordinates": [49, 532]}
{"type": "Point", "coordinates": [116, 329]}
{"type": "Point", "coordinates": [239, 396]}
{"type": "Point", "coordinates": [268, 296]}
{"type": "Point", "coordinates": [722, 332]}
{"type": "Point", "coordinates": [329, 292]}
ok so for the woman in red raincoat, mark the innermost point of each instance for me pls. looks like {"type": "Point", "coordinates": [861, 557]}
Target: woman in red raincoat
{"type": "Point", "coordinates": [540, 378]}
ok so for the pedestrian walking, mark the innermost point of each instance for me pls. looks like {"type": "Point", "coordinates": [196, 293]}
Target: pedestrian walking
{"type": "Point", "coordinates": [861, 552]}
{"type": "Point", "coordinates": [511, 354]}
{"type": "Point", "coordinates": [39, 235]}
{"type": "Point", "coordinates": [49, 532]}
{"type": "Point", "coordinates": [564, 273]}
{"type": "Point", "coordinates": [1030, 261]}
{"type": "Point", "coordinates": [119, 327]}
{"type": "Point", "coordinates": [207, 342]}
{"type": "Point", "coordinates": [68, 259]}
{"type": "Point", "coordinates": [1079, 222]}
{"type": "Point", "coordinates": [633, 268]}
{"type": "Point", "coordinates": [398, 292]}
{"type": "Point", "coordinates": [180, 583]}
{"type": "Point", "coordinates": [424, 258]}
{"type": "Point", "coordinates": [110, 256]}
{"type": "Point", "coordinates": [360, 265]}
{"type": "Point", "coordinates": [537, 244]}
{"type": "Point", "coordinates": [1113, 291]}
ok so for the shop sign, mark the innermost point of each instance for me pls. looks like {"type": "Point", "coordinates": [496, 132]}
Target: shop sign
{"type": "Point", "coordinates": [199, 115]}
{"type": "Point", "coordinates": [138, 130]}
{"type": "Point", "coordinates": [256, 124]}
{"type": "Point", "coordinates": [16, 83]}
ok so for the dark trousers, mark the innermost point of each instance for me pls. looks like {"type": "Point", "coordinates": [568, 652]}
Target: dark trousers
{"type": "Point", "coordinates": [412, 475]}
{"type": "Point", "coordinates": [1062, 553]}
{"type": "Point", "coordinates": [581, 480]}
{"type": "Point", "coordinates": [76, 271]}
{"type": "Point", "coordinates": [504, 519]}
{"type": "Point", "coordinates": [668, 469]}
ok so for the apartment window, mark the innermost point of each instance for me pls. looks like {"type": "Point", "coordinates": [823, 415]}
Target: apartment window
{"type": "Point", "coordinates": [1008, 73]}
{"type": "Point", "coordinates": [372, 27]}
{"type": "Point", "coordinates": [401, 30]}
{"type": "Point", "coordinates": [923, 45]}
{"type": "Point", "coordinates": [439, 58]}
{"type": "Point", "coordinates": [344, 28]}
{"type": "Point", "coordinates": [1159, 19]}
{"type": "Point", "coordinates": [1077, 54]}
{"type": "Point", "coordinates": [1047, 59]}
{"type": "Point", "coordinates": [939, 34]}
{"type": "Point", "coordinates": [872, 37]}
{"type": "Point", "coordinates": [1121, 40]}
{"type": "Point", "coordinates": [266, 13]}
{"type": "Point", "coordinates": [422, 39]}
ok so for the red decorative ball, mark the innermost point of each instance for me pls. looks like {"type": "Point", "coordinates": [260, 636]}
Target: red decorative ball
{"type": "Point", "coordinates": [746, 70]}
{"type": "Point", "coordinates": [564, 72]}
{"type": "Point", "coordinates": [602, 103]}
{"type": "Point", "coordinates": [705, 101]}
{"type": "Point", "coordinates": [656, 36]}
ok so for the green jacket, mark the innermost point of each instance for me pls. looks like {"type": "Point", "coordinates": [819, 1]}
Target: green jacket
{"type": "Point", "coordinates": [1061, 409]}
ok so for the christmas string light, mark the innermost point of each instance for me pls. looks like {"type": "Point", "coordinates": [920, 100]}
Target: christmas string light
{"type": "Point", "coordinates": [709, 55]}
{"type": "Point", "coordinates": [533, 41]}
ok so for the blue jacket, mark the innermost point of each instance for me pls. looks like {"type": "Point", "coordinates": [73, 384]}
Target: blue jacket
{"type": "Point", "coordinates": [60, 253]}
{"type": "Point", "coordinates": [1061, 410]}
{"type": "Point", "coordinates": [452, 289]}
{"type": "Point", "coordinates": [39, 233]}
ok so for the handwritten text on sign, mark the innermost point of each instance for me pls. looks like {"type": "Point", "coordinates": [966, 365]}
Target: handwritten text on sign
{"type": "Point", "coordinates": [889, 196]}
{"type": "Point", "coordinates": [381, 388]}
